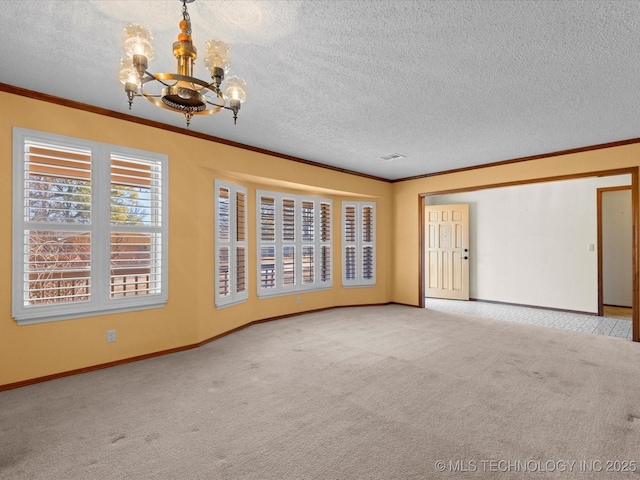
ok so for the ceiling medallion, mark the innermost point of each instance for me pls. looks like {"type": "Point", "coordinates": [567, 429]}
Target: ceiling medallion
{"type": "Point", "coordinates": [181, 92]}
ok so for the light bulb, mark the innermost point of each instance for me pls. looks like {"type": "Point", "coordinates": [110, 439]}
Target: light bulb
{"type": "Point", "coordinates": [236, 89]}
{"type": "Point", "coordinates": [128, 73]}
{"type": "Point", "coordinates": [138, 46]}
{"type": "Point", "coordinates": [138, 41]}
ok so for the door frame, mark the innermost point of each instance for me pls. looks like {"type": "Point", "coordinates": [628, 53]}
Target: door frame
{"type": "Point", "coordinates": [600, 191]}
{"type": "Point", "coordinates": [635, 198]}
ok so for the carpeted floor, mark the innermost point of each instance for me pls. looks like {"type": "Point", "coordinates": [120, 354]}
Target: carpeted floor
{"type": "Point", "coordinates": [387, 392]}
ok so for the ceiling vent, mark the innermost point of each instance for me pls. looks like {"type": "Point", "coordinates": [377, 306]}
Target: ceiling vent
{"type": "Point", "coordinates": [391, 157]}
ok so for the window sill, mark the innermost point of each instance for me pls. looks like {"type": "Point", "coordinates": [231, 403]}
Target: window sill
{"type": "Point", "coordinates": [32, 317]}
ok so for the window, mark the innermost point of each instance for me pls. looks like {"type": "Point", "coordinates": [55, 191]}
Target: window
{"type": "Point", "coordinates": [231, 244]}
{"type": "Point", "coordinates": [89, 228]}
{"type": "Point", "coordinates": [358, 244]}
{"type": "Point", "coordinates": [294, 243]}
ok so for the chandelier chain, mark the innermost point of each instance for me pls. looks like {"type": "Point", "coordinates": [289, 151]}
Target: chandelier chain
{"type": "Point", "coordinates": [185, 15]}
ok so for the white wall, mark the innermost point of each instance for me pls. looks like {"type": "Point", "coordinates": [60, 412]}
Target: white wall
{"type": "Point", "coordinates": [617, 243]}
{"type": "Point", "coordinates": [530, 244]}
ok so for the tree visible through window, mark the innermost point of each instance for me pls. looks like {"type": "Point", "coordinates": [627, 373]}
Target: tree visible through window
{"type": "Point", "coordinates": [61, 233]}
{"type": "Point", "coordinates": [57, 190]}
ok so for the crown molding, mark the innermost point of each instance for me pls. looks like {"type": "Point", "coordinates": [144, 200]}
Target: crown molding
{"type": "Point", "coordinates": [44, 97]}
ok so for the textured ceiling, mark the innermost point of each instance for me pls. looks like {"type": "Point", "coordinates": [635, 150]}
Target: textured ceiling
{"type": "Point", "coordinates": [446, 84]}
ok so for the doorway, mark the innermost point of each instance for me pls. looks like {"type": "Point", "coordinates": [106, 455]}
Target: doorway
{"type": "Point", "coordinates": [580, 245]}
{"type": "Point", "coordinates": [615, 252]}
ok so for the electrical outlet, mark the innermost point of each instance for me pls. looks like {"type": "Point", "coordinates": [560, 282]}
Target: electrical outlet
{"type": "Point", "coordinates": [298, 300]}
{"type": "Point", "coordinates": [111, 336]}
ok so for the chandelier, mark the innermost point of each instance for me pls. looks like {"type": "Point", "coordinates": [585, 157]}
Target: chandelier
{"type": "Point", "coordinates": [180, 92]}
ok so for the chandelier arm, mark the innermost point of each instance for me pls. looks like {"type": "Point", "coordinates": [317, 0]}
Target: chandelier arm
{"type": "Point", "coordinates": [151, 77]}
{"type": "Point", "coordinates": [159, 77]}
{"type": "Point", "coordinates": [217, 104]}
{"type": "Point", "coordinates": [213, 87]}
{"type": "Point", "coordinates": [179, 78]}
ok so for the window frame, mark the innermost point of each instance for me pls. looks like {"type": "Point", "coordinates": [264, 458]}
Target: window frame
{"type": "Point", "coordinates": [322, 240]}
{"type": "Point", "coordinates": [235, 297]}
{"type": "Point", "coordinates": [359, 244]}
{"type": "Point", "coordinates": [100, 229]}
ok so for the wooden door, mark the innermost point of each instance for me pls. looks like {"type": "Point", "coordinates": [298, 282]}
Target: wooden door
{"type": "Point", "coordinates": [447, 251]}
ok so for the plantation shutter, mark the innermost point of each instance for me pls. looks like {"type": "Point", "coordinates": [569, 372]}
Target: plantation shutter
{"type": "Point", "coordinates": [294, 251]}
{"type": "Point", "coordinates": [267, 219]}
{"type": "Point", "coordinates": [288, 220]}
{"type": "Point", "coordinates": [307, 267]}
{"type": "Point", "coordinates": [136, 247]}
{"type": "Point", "coordinates": [359, 251]}
{"type": "Point", "coordinates": [267, 243]}
{"type": "Point", "coordinates": [241, 243]}
{"type": "Point", "coordinates": [224, 240]}
{"type": "Point", "coordinates": [57, 214]}
{"type": "Point", "coordinates": [231, 246]}
{"type": "Point", "coordinates": [325, 242]}
{"type": "Point", "coordinates": [288, 237]}
{"type": "Point", "coordinates": [350, 242]}
{"type": "Point", "coordinates": [308, 273]}
{"type": "Point", "coordinates": [367, 243]}
{"type": "Point", "coordinates": [88, 228]}
{"type": "Point", "coordinates": [308, 221]}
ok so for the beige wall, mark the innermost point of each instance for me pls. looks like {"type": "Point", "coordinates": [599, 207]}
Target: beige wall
{"type": "Point", "coordinates": [190, 316]}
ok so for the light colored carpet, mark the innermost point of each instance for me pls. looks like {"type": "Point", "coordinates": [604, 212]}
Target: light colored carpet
{"type": "Point", "coordinates": [353, 393]}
